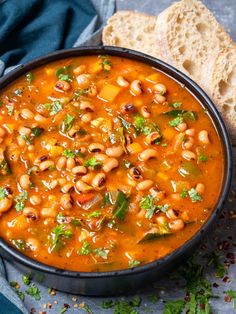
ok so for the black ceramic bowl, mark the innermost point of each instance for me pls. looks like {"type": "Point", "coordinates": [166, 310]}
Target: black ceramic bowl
{"type": "Point", "coordinates": [122, 281]}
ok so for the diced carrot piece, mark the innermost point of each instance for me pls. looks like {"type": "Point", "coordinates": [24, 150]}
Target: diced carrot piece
{"type": "Point", "coordinates": [162, 176]}
{"type": "Point", "coordinates": [153, 78]}
{"type": "Point", "coordinates": [134, 148]}
{"type": "Point", "coordinates": [109, 92]}
{"type": "Point", "coordinates": [169, 133]}
{"type": "Point", "coordinates": [84, 198]}
{"type": "Point", "coordinates": [95, 67]}
{"type": "Point", "coordinates": [56, 151]}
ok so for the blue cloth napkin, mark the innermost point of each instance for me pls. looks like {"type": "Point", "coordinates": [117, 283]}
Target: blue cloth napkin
{"type": "Point", "coordinates": [31, 28]}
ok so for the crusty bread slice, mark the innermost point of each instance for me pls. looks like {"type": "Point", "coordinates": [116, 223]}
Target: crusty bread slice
{"type": "Point", "coordinates": [188, 34]}
{"type": "Point", "coordinates": [132, 30]}
{"type": "Point", "coordinates": [220, 84]}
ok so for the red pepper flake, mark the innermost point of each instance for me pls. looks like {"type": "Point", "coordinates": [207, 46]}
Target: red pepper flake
{"type": "Point", "coordinates": [224, 245]}
{"type": "Point", "coordinates": [215, 285]}
{"type": "Point", "coordinates": [226, 279]}
{"type": "Point", "coordinates": [230, 256]}
{"type": "Point", "coordinates": [33, 310]}
{"type": "Point", "coordinates": [227, 298]}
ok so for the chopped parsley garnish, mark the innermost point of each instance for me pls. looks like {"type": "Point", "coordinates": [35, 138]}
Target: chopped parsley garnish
{"type": "Point", "coordinates": [106, 63]}
{"type": "Point", "coordinates": [63, 74]}
{"type": "Point", "coordinates": [127, 164]}
{"type": "Point", "coordinates": [85, 249]}
{"type": "Point", "coordinates": [176, 121]}
{"type": "Point", "coordinates": [34, 292]}
{"type": "Point", "coordinates": [18, 91]}
{"type": "Point", "coordinates": [203, 158]}
{"type": "Point", "coordinates": [54, 107]}
{"type": "Point", "coordinates": [67, 123]}
{"type": "Point", "coordinates": [20, 201]}
{"type": "Point", "coordinates": [121, 206]}
{"type": "Point", "coordinates": [29, 77]}
{"type": "Point", "coordinates": [68, 153]}
{"type": "Point", "coordinates": [94, 214]}
{"type": "Point", "coordinates": [37, 131]}
{"type": "Point", "coordinates": [3, 193]}
{"type": "Point", "coordinates": [141, 125]}
{"type": "Point", "coordinates": [134, 263]}
{"type": "Point", "coordinates": [124, 123]}
{"type": "Point", "coordinates": [174, 307]}
{"type": "Point", "coordinates": [184, 193]}
{"type": "Point", "coordinates": [93, 163]}
{"type": "Point", "coordinates": [101, 253]}
{"type": "Point", "coordinates": [163, 208]}
{"type": "Point", "coordinates": [15, 287]}
{"type": "Point", "coordinates": [19, 244]}
{"type": "Point", "coordinates": [26, 138]}
{"type": "Point", "coordinates": [10, 110]}
{"type": "Point", "coordinates": [176, 104]}
{"type": "Point", "coordinates": [59, 233]}
{"type": "Point", "coordinates": [147, 203]}
{"type": "Point", "coordinates": [106, 200]}
{"type": "Point", "coordinates": [194, 195]}
{"type": "Point", "coordinates": [81, 92]}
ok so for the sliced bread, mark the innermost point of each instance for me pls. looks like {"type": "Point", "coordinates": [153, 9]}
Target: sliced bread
{"type": "Point", "coordinates": [220, 84]}
{"type": "Point", "coordinates": [188, 34]}
{"type": "Point", "coordinates": [132, 30]}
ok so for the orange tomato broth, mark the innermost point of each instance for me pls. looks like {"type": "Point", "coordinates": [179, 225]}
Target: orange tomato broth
{"type": "Point", "coordinates": [99, 238]}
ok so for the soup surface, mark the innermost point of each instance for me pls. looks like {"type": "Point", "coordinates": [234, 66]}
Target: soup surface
{"type": "Point", "coordinates": [105, 163]}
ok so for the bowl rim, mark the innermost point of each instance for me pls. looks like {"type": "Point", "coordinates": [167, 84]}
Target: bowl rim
{"type": "Point", "coordinates": [196, 91]}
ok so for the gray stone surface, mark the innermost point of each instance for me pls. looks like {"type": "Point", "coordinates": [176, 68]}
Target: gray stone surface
{"type": "Point", "coordinates": [166, 289]}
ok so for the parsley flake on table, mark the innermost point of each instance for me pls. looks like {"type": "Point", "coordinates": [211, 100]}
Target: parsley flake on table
{"type": "Point", "coordinates": [34, 292]}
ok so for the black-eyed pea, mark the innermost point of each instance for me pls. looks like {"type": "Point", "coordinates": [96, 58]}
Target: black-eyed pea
{"type": "Point", "coordinates": [144, 185]}
{"type": "Point", "coordinates": [190, 132]}
{"type": "Point", "coordinates": [48, 212]}
{"type": "Point", "coordinates": [203, 137]}
{"type": "Point", "coordinates": [159, 89]}
{"type": "Point", "coordinates": [96, 148]}
{"type": "Point", "coordinates": [62, 86]}
{"type": "Point", "coordinates": [83, 187]}
{"type": "Point", "coordinates": [5, 204]}
{"type": "Point", "coordinates": [24, 181]}
{"type": "Point", "coordinates": [27, 114]}
{"type": "Point", "coordinates": [72, 132]}
{"type": "Point", "coordinates": [66, 201]}
{"type": "Point", "coordinates": [79, 170]}
{"type": "Point", "coordinates": [115, 151]}
{"type": "Point", "coordinates": [70, 163]}
{"type": "Point", "coordinates": [136, 87]}
{"type": "Point", "coordinates": [200, 188]}
{"type": "Point", "coordinates": [45, 165]}
{"type": "Point", "coordinates": [148, 154]}
{"type": "Point", "coordinates": [101, 157]}
{"type": "Point", "coordinates": [172, 213]}
{"type": "Point", "coordinates": [110, 164]}
{"type": "Point", "coordinates": [135, 174]}
{"type": "Point", "coordinates": [83, 81]}
{"type": "Point", "coordinates": [121, 81]}
{"type": "Point", "coordinates": [188, 155]}
{"type": "Point", "coordinates": [99, 181]}
{"type": "Point", "coordinates": [40, 118]}
{"type": "Point", "coordinates": [61, 163]}
{"type": "Point", "coordinates": [182, 127]}
{"type": "Point", "coordinates": [53, 184]}
{"type": "Point", "coordinates": [86, 117]}
{"type": "Point", "coordinates": [159, 99]}
{"type": "Point", "coordinates": [24, 130]}
{"type": "Point", "coordinates": [30, 213]}
{"type": "Point", "coordinates": [68, 187]}
{"type": "Point", "coordinates": [176, 225]}
{"type": "Point", "coordinates": [87, 178]}
{"type": "Point", "coordinates": [35, 199]}
{"type": "Point", "coordinates": [145, 112]}
{"type": "Point", "coordinates": [152, 137]}
{"type": "Point", "coordinates": [33, 244]}
{"type": "Point", "coordinates": [188, 143]}
{"type": "Point", "coordinates": [86, 105]}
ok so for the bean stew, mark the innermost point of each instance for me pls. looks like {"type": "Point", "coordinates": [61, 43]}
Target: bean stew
{"type": "Point", "coordinates": [106, 163]}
